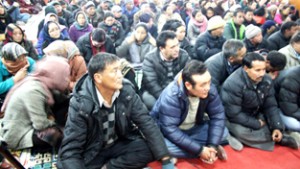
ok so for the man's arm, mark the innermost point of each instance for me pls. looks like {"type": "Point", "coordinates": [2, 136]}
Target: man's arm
{"type": "Point", "coordinates": [72, 147]}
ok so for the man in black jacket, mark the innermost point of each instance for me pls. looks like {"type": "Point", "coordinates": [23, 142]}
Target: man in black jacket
{"type": "Point", "coordinates": [93, 43]}
{"type": "Point", "coordinates": [108, 125]}
{"type": "Point", "coordinates": [254, 40]}
{"type": "Point", "coordinates": [251, 107]}
{"type": "Point", "coordinates": [222, 64]}
{"type": "Point", "coordinates": [161, 65]}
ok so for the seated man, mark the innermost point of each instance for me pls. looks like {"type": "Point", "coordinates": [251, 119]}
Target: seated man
{"type": "Point", "coordinates": [222, 64]}
{"type": "Point", "coordinates": [108, 125]}
{"type": "Point", "coordinates": [180, 114]}
{"type": "Point", "coordinates": [254, 40]}
{"type": "Point", "coordinates": [161, 65]}
{"type": "Point", "coordinates": [292, 51]}
{"type": "Point", "coordinates": [251, 107]}
{"type": "Point", "coordinates": [289, 99]}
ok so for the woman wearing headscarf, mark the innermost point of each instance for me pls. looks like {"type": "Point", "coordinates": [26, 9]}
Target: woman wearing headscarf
{"type": "Point", "coordinates": [14, 67]}
{"type": "Point", "coordinates": [137, 45]}
{"type": "Point", "coordinates": [5, 19]}
{"type": "Point", "coordinates": [27, 122]}
{"type": "Point", "coordinates": [67, 49]}
{"type": "Point", "coordinates": [80, 27]}
{"type": "Point", "coordinates": [14, 33]}
{"type": "Point", "coordinates": [197, 25]}
{"type": "Point", "coordinates": [51, 32]}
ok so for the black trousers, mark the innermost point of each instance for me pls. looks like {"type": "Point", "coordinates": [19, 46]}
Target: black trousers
{"type": "Point", "coordinates": [131, 154]}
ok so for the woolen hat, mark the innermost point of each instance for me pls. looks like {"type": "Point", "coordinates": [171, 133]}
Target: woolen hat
{"type": "Point", "coordinates": [215, 22]}
{"type": "Point", "coordinates": [89, 4]}
{"type": "Point", "coordinates": [252, 31]}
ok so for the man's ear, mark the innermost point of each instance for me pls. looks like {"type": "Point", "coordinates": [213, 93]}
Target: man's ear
{"type": "Point", "coordinates": [230, 59]}
{"type": "Point", "coordinates": [98, 78]}
{"type": "Point", "coordinates": [188, 85]}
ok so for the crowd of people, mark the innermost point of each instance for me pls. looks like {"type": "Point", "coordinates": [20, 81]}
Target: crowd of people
{"type": "Point", "coordinates": [122, 83]}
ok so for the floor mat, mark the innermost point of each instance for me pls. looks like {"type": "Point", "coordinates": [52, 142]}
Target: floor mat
{"type": "Point", "coordinates": [248, 158]}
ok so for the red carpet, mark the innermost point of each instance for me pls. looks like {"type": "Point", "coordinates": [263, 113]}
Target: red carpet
{"type": "Point", "coordinates": [248, 158]}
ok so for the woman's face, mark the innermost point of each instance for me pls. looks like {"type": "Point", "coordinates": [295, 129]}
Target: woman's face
{"type": "Point", "coordinates": [17, 35]}
{"type": "Point", "coordinates": [140, 34]}
{"type": "Point", "coordinates": [199, 17]}
{"type": "Point", "coordinates": [180, 33]}
{"type": "Point", "coordinates": [53, 30]}
{"type": "Point", "coordinates": [81, 19]}
{"type": "Point", "coordinates": [109, 21]}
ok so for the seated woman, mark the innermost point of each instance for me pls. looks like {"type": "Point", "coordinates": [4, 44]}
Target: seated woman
{"type": "Point", "coordinates": [14, 66]}
{"type": "Point", "coordinates": [68, 50]}
{"type": "Point", "coordinates": [196, 26]}
{"type": "Point", "coordinates": [51, 32]}
{"type": "Point", "coordinates": [137, 45]}
{"type": "Point", "coordinates": [80, 27]}
{"type": "Point", "coordinates": [26, 122]}
{"type": "Point", "coordinates": [14, 33]}
{"type": "Point", "coordinates": [112, 28]}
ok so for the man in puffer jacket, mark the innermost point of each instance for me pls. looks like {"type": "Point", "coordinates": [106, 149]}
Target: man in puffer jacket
{"type": "Point", "coordinates": [181, 112]}
{"type": "Point", "coordinates": [251, 108]}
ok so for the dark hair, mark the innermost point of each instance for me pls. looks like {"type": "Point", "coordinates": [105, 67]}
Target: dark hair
{"type": "Point", "coordinates": [295, 38]}
{"type": "Point", "coordinates": [250, 57]}
{"type": "Point", "coordinates": [277, 60]}
{"type": "Point", "coordinates": [238, 10]}
{"type": "Point", "coordinates": [172, 25]}
{"type": "Point", "coordinates": [195, 11]}
{"type": "Point", "coordinates": [287, 25]}
{"type": "Point", "coordinates": [247, 9]}
{"type": "Point", "coordinates": [98, 35]}
{"type": "Point", "coordinates": [108, 14]}
{"type": "Point", "coordinates": [193, 67]}
{"type": "Point", "coordinates": [163, 36]}
{"type": "Point", "coordinates": [99, 62]}
{"type": "Point", "coordinates": [231, 47]}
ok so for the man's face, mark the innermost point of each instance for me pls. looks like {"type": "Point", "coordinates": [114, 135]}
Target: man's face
{"type": "Point", "coordinates": [238, 59]}
{"type": "Point", "coordinates": [129, 6]}
{"type": "Point", "coordinates": [258, 38]}
{"type": "Point", "coordinates": [249, 16]}
{"type": "Point", "coordinates": [290, 32]}
{"type": "Point", "coordinates": [180, 33]}
{"type": "Point", "coordinates": [58, 8]}
{"type": "Point", "coordinates": [171, 50]}
{"type": "Point", "coordinates": [239, 18]}
{"type": "Point", "coordinates": [296, 47]}
{"type": "Point", "coordinates": [201, 87]}
{"type": "Point", "coordinates": [111, 77]}
{"type": "Point", "coordinates": [117, 14]}
{"type": "Point", "coordinates": [219, 31]}
{"type": "Point", "coordinates": [257, 72]}
{"type": "Point", "coordinates": [91, 11]}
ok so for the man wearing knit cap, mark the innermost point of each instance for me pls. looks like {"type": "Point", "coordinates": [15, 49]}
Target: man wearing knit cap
{"type": "Point", "coordinates": [117, 11]}
{"type": "Point", "coordinates": [211, 41]}
{"type": "Point", "coordinates": [93, 16]}
{"type": "Point", "coordinates": [254, 40]}
{"type": "Point", "coordinates": [63, 13]}
{"type": "Point", "coordinates": [268, 28]}
{"type": "Point", "coordinates": [129, 10]}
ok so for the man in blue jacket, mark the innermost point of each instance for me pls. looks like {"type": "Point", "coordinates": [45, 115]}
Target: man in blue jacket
{"type": "Point", "coordinates": [182, 110]}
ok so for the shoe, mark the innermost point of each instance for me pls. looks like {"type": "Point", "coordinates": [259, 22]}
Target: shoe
{"type": "Point", "coordinates": [221, 153]}
{"type": "Point", "coordinates": [289, 141]}
{"type": "Point", "coordinates": [235, 143]}
{"type": "Point", "coordinates": [296, 136]}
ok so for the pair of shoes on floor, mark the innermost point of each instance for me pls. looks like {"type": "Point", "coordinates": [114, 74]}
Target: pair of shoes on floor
{"type": "Point", "coordinates": [290, 140]}
{"type": "Point", "coordinates": [234, 143]}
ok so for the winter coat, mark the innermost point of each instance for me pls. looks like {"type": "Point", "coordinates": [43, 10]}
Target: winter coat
{"type": "Point", "coordinates": [291, 59]}
{"type": "Point", "coordinates": [75, 34]}
{"type": "Point", "coordinates": [277, 41]}
{"type": "Point", "coordinates": [171, 109]}
{"type": "Point", "coordinates": [207, 46]}
{"type": "Point", "coordinates": [83, 136]}
{"type": "Point", "coordinates": [85, 48]}
{"type": "Point", "coordinates": [155, 77]}
{"type": "Point", "coordinates": [231, 32]}
{"type": "Point", "coordinates": [251, 48]}
{"type": "Point", "coordinates": [244, 104]}
{"type": "Point", "coordinates": [115, 32]}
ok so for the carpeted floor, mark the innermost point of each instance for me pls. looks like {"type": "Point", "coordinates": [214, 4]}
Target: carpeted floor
{"type": "Point", "coordinates": [248, 158]}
